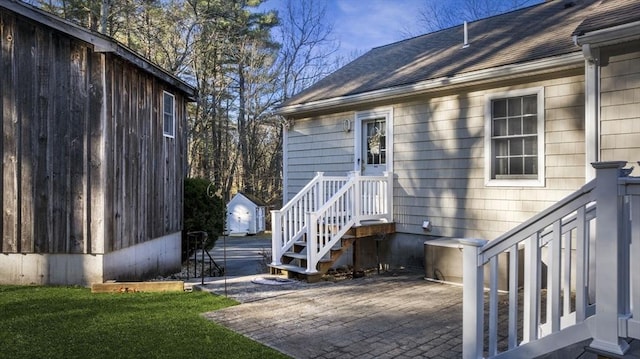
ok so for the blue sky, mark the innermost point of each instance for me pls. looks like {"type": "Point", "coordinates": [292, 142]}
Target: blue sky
{"type": "Point", "coordinates": [361, 25]}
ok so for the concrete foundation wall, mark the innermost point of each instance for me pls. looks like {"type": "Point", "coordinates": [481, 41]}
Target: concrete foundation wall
{"type": "Point", "coordinates": [160, 256]}
{"type": "Point", "coordinates": [394, 251]}
{"type": "Point", "coordinates": [443, 262]}
{"type": "Point", "coordinates": [50, 269]}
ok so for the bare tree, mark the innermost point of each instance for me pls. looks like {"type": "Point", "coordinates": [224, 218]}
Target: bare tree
{"type": "Point", "coordinates": [307, 45]}
{"type": "Point", "coordinates": [437, 15]}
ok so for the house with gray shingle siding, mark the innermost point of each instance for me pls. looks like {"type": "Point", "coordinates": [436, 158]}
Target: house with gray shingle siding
{"type": "Point", "coordinates": [478, 137]}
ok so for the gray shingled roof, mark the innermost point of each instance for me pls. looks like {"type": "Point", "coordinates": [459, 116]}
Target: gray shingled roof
{"type": "Point", "coordinates": [611, 13]}
{"type": "Point", "coordinates": [536, 32]}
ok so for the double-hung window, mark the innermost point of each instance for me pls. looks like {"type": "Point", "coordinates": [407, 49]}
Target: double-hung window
{"type": "Point", "coordinates": [514, 138]}
{"type": "Point", "coordinates": [169, 114]}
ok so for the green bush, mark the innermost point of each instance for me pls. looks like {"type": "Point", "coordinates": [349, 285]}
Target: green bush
{"type": "Point", "coordinates": [203, 211]}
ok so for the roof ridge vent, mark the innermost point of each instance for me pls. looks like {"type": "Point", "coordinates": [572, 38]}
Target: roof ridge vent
{"type": "Point", "coordinates": [466, 36]}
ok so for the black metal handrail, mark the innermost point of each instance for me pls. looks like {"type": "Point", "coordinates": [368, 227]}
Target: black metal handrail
{"type": "Point", "coordinates": [200, 237]}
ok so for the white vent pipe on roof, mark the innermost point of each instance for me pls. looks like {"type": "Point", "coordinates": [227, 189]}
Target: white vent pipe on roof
{"type": "Point", "coordinates": [466, 36]}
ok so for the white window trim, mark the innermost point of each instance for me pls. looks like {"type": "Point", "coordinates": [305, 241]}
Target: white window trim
{"type": "Point", "coordinates": [488, 155]}
{"type": "Point", "coordinates": [173, 122]}
{"type": "Point", "coordinates": [387, 114]}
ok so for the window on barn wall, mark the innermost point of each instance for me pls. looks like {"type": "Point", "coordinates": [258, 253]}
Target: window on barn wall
{"type": "Point", "coordinates": [169, 114]}
{"type": "Point", "coordinates": [514, 138]}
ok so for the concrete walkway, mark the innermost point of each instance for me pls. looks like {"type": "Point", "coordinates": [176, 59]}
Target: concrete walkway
{"type": "Point", "coordinates": [391, 315]}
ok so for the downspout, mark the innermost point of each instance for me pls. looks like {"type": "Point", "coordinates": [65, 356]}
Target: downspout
{"type": "Point", "coordinates": [591, 107]}
{"type": "Point", "coordinates": [286, 125]}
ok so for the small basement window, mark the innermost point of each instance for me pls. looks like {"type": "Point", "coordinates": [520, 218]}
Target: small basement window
{"type": "Point", "coordinates": [169, 114]}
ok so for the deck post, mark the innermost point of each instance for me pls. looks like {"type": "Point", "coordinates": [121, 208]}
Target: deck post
{"type": "Point", "coordinates": [357, 194]}
{"type": "Point", "coordinates": [389, 193]}
{"type": "Point", "coordinates": [312, 242]}
{"type": "Point", "coordinates": [276, 238]}
{"type": "Point", "coordinates": [611, 245]}
{"type": "Point", "coordinates": [472, 299]}
{"type": "Point", "coordinates": [320, 197]}
{"type": "Point", "coordinates": [633, 190]}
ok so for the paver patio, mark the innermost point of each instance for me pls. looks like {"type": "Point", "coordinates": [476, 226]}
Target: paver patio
{"type": "Point", "coordinates": [381, 316]}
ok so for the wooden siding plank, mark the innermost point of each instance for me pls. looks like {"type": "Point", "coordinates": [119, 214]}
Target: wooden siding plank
{"type": "Point", "coordinates": [42, 162]}
{"type": "Point", "coordinates": [143, 135]}
{"type": "Point", "coordinates": [26, 111]}
{"type": "Point", "coordinates": [9, 145]}
{"type": "Point", "coordinates": [160, 160]}
{"type": "Point", "coordinates": [129, 127]}
{"type": "Point", "coordinates": [97, 182]}
{"type": "Point", "coordinates": [60, 196]}
{"type": "Point", "coordinates": [110, 235]}
{"type": "Point", "coordinates": [118, 155]}
{"type": "Point", "coordinates": [77, 148]}
{"type": "Point", "coordinates": [151, 162]}
{"type": "Point", "coordinates": [181, 167]}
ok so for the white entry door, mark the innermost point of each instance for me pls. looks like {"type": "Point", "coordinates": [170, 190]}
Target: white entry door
{"type": "Point", "coordinates": [374, 142]}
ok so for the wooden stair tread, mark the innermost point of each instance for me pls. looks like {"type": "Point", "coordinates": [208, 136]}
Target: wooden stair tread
{"type": "Point", "coordinates": [295, 255]}
{"type": "Point", "coordinates": [302, 256]}
{"type": "Point", "coordinates": [290, 268]}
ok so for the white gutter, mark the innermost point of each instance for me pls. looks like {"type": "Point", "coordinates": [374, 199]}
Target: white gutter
{"type": "Point", "coordinates": [562, 62]}
{"type": "Point", "coordinates": [609, 36]}
{"type": "Point", "coordinates": [591, 42]}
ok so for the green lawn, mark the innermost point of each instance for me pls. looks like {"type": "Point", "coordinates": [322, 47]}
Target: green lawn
{"type": "Point", "coordinates": [63, 322]}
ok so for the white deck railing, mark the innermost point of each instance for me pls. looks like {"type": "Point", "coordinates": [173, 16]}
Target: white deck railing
{"type": "Point", "coordinates": [326, 209]}
{"type": "Point", "coordinates": [572, 260]}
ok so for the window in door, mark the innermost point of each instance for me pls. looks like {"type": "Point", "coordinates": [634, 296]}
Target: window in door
{"type": "Point", "coordinates": [375, 141]}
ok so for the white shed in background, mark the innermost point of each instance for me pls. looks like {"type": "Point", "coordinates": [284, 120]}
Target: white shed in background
{"type": "Point", "coordinates": [245, 215]}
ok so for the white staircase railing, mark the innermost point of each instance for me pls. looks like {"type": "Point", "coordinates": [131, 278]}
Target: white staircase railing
{"type": "Point", "coordinates": [360, 199]}
{"type": "Point", "coordinates": [572, 260]}
{"type": "Point", "coordinates": [290, 222]}
{"type": "Point", "coordinates": [325, 209]}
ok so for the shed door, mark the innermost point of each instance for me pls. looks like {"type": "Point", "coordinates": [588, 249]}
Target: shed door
{"type": "Point", "coordinates": [260, 219]}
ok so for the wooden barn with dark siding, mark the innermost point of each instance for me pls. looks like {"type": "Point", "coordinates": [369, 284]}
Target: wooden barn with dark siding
{"type": "Point", "coordinates": [93, 155]}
